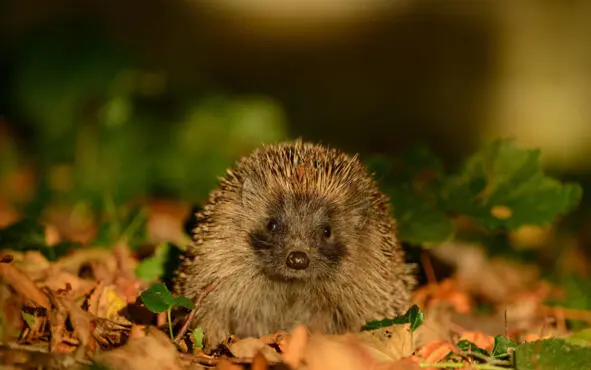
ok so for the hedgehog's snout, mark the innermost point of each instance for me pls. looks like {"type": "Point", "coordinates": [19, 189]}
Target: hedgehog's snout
{"type": "Point", "coordinates": [297, 260]}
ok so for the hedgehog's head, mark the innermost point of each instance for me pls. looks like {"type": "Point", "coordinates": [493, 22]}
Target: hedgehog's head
{"type": "Point", "coordinates": [304, 209]}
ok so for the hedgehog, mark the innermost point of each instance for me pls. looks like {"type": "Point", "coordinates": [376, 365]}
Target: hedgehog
{"type": "Point", "coordinates": [295, 233]}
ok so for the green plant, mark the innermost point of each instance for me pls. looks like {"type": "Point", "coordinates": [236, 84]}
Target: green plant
{"type": "Point", "coordinates": [159, 299]}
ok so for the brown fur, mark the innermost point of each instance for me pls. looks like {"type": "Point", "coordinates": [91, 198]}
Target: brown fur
{"type": "Point", "coordinates": [366, 280]}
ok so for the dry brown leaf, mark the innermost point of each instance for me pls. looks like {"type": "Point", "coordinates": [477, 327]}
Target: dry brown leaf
{"type": "Point", "coordinates": [482, 340]}
{"type": "Point", "coordinates": [296, 344]}
{"type": "Point", "coordinates": [444, 292]}
{"type": "Point", "coordinates": [387, 344]}
{"type": "Point", "coordinates": [436, 326]}
{"type": "Point", "coordinates": [330, 353]}
{"type": "Point", "coordinates": [59, 279]}
{"type": "Point", "coordinates": [90, 257]}
{"type": "Point", "coordinates": [247, 348]}
{"type": "Point", "coordinates": [279, 339]}
{"type": "Point", "coordinates": [152, 352]}
{"type": "Point", "coordinates": [477, 274]}
{"type": "Point", "coordinates": [227, 365]}
{"type": "Point", "coordinates": [111, 303]}
{"type": "Point", "coordinates": [259, 362]}
{"type": "Point", "coordinates": [404, 364]}
{"type": "Point", "coordinates": [23, 285]}
{"type": "Point", "coordinates": [435, 351]}
{"type": "Point", "coordinates": [165, 222]}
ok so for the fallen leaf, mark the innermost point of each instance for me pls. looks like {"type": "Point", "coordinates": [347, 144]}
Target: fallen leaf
{"type": "Point", "coordinates": [152, 352]}
{"type": "Point", "coordinates": [296, 344]}
{"type": "Point", "coordinates": [435, 351]}
{"type": "Point", "coordinates": [23, 285]}
{"type": "Point", "coordinates": [247, 348]}
{"type": "Point", "coordinates": [482, 340]}
{"type": "Point", "coordinates": [387, 344]}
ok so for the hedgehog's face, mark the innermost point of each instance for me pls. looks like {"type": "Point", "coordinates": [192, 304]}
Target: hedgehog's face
{"type": "Point", "coordinates": [301, 238]}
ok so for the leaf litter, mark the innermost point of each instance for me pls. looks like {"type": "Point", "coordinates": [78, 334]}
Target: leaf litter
{"type": "Point", "coordinates": [78, 293]}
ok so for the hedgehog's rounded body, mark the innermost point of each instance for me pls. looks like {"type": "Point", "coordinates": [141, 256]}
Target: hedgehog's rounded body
{"type": "Point", "coordinates": [295, 233]}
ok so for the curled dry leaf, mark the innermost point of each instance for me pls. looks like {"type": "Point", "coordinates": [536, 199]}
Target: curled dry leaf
{"type": "Point", "coordinates": [151, 352]}
{"type": "Point", "coordinates": [111, 302]}
{"type": "Point", "coordinates": [482, 340]}
{"type": "Point", "coordinates": [227, 365]}
{"type": "Point", "coordinates": [165, 222]}
{"type": "Point", "coordinates": [328, 353]}
{"type": "Point", "coordinates": [435, 351]}
{"type": "Point", "coordinates": [247, 348]}
{"type": "Point", "coordinates": [90, 257]}
{"type": "Point", "coordinates": [296, 344]}
{"type": "Point", "coordinates": [436, 326]}
{"type": "Point", "coordinates": [58, 279]}
{"type": "Point", "coordinates": [279, 339]}
{"type": "Point", "coordinates": [446, 292]}
{"type": "Point", "coordinates": [259, 362]}
{"type": "Point", "coordinates": [23, 285]}
{"type": "Point", "coordinates": [387, 344]}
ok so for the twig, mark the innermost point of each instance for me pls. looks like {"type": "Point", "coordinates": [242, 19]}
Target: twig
{"type": "Point", "coordinates": [428, 267]}
{"type": "Point", "coordinates": [208, 289]}
{"type": "Point", "coordinates": [205, 361]}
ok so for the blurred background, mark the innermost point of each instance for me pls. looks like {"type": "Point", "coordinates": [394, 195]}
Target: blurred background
{"type": "Point", "coordinates": [156, 98]}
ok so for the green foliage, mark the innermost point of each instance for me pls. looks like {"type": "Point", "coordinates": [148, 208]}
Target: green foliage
{"type": "Point", "coordinates": [499, 358]}
{"type": "Point", "coordinates": [470, 347]}
{"type": "Point", "coordinates": [29, 318]}
{"type": "Point", "coordinates": [414, 186]}
{"type": "Point", "coordinates": [581, 338]}
{"type": "Point", "coordinates": [504, 175]}
{"type": "Point", "coordinates": [197, 335]}
{"type": "Point", "coordinates": [503, 347]}
{"type": "Point", "coordinates": [159, 299]}
{"type": "Point", "coordinates": [110, 126]}
{"type": "Point", "coordinates": [414, 316]}
{"type": "Point", "coordinates": [153, 268]}
{"type": "Point", "coordinates": [122, 223]}
{"type": "Point", "coordinates": [501, 187]}
{"type": "Point", "coordinates": [553, 354]}
{"type": "Point", "coordinates": [577, 291]}
{"type": "Point", "coordinates": [27, 235]}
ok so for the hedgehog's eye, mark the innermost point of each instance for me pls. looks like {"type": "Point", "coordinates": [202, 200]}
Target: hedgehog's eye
{"type": "Point", "coordinates": [272, 225]}
{"type": "Point", "coordinates": [326, 232]}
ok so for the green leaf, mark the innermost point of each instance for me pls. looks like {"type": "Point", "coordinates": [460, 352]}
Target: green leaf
{"type": "Point", "coordinates": [467, 346]}
{"type": "Point", "coordinates": [505, 177]}
{"type": "Point", "coordinates": [414, 186]}
{"type": "Point", "coordinates": [502, 346]}
{"type": "Point", "coordinates": [414, 316]}
{"type": "Point", "coordinates": [197, 337]}
{"type": "Point", "coordinates": [152, 268]}
{"type": "Point", "coordinates": [554, 353]}
{"type": "Point", "coordinates": [581, 338]}
{"type": "Point", "coordinates": [158, 298]}
{"type": "Point", "coordinates": [29, 318]}
{"type": "Point", "coordinates": [185, 302]}
{"type": "Point", "coordinates": [418, 219]}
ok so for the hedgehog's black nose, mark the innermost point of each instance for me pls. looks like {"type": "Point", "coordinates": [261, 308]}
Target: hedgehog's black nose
{"type": "Point", "coordinates": [297, 260]}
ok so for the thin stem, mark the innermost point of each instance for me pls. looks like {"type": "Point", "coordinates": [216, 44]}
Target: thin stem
{"type": "Point", "coordinates": [454, 365]}
{"type": "Point", "coordinates": [170, 322]}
